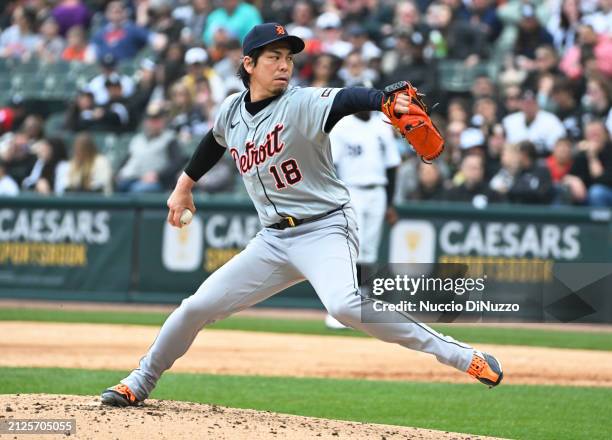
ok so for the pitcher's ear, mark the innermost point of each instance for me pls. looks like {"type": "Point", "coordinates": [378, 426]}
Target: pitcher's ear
{"type": "Point", "coordinates": [247, 62]}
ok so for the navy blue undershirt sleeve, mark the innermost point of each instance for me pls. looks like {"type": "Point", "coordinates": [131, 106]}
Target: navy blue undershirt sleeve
{"type": "Point", "coordinates": [206, 156]}
{"type": "Point", "coordinates": [352, 100]}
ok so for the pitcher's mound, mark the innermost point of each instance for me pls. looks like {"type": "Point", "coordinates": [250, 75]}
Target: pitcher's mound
{"type": "Point", "coordinates": [167, 419]}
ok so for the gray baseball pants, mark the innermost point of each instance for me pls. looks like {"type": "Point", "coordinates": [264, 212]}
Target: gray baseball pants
{"type": "Point", "coordinates": [323, 252]}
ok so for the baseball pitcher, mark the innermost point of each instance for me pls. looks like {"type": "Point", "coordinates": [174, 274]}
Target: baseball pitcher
{"type": "Point", "coordinates": [278, 137]}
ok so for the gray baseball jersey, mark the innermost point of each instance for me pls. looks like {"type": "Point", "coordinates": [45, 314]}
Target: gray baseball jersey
{"type": "Point", "coordinates": [283, 153]}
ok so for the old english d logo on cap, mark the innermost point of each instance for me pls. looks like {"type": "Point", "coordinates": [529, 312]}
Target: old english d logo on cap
{"type": "Point", "coordinates": [267, 33]}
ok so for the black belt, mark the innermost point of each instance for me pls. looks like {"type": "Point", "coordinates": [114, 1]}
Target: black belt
{"type": "Point", "coordinates": [292, 222]}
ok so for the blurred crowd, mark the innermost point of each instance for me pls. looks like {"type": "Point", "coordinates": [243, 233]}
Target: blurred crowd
{"type": "Point", "coordinates": [533, 125]}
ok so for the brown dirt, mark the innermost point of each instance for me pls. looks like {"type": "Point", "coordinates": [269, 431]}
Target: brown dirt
{"type": "Point", "coordinates": [101, 346]}
{"type": "Point", "coordinates": [182, 420]}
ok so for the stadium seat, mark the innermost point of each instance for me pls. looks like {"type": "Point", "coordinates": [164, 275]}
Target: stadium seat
{"type": "Point", "coordinates": [30, 66]}
{"type": "Point", "coordinates": [54, 124]}
{"type": "Point", "coordinates": [113, 146]}
{"type": "Point", "coordinates": [456, 77]}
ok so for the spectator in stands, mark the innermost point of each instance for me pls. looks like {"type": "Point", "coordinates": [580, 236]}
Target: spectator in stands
{"type": "Point", "coordinates": [302, 17]}
{"type": "Point", "coordinates": [108, 67]}
{"type": "Point", "coordinates": [204, 101]}
{"type": "Point", "coordinates": [601, 20]}
{"type": "Point", "coordinates": [161, 21]}
{"type": "Point", "coordinates": [34, 128]}
{"type": "Point", "coordinates": [482, 87]}
{"type": "Point", "coordinates": [51, 44]}
{"type": "Point", "coordinates": [560, 161]}
{"type": "Point", "coordinates": [407, 19]}
{"type": "Point", "coordinates": [358, 37]}
{"type": "Point", "coordinates": [187, 120]}
{"type": "Point", "coordinates": [593, 165]}
{"type": "Point", "coordinates": [197, 69]}
{"type": "Point", "coordinates": [484, 113]}
{"type": "Point", "coordinates": [542, 73]}
{"type": "Point", "coordinates": [454, 39]}
{"type": "Point", "coordinates": [88, 170]}
{"type": "Point", "coordinates": [193, 15]}
{"type": "Point", "coordinates": [407, 61]}
{"type": "Point", "coordinates": [329, 27]}
{"type": "Point", "coordinates": [171, 66]}
{"type": "Point", "coordinates": [597, 101]}
{"type": "Point", "coordinates": [472, 140]}
{"type": "Point", "coordinates": [495, 141]}
{"type": "Point", "coordinates": [531, 123]}
{"type": "Point", "coordinates": [473, 187]}
{"type": "Point", "coordinates": [154, 156]}
{"type": "Point", "coordinates": [216, 51]}
{"type": "Point", "coordinates": [148, 87]}
{"type": "Point", "coordinates": [592, 54]}
{"type": "Point", "coordinates": [80, 114]}
{"type": "Point", "coordinates": [531, 35]}
{"type": "Point", "coordinates": [533, 183]}
{"type": "Point", "coordinates": [17, 157]}
{"type": "Point", "coordinates": [355, 71]}
{"type": "Point", "coordinates": [563, 25]}
{"type": "Point", "coordinates": [430, 185]}
{"type": "Point", "coordinates": [122, 38]}
{"type": "Point", "coordinates": [452, 148]}
{"type": "Point", "coordinates": [483, 15]}
{"type": "Point", "coordinates": [235, 16]}
{"type": "Point", "coordinates": [50, 158]}
{"type": "Point", "coordinates": [510, 163]}
{"type": "Point", "coordinates": [566, 108]}
{"type": "Point", "coordinates": [226, 68]}
{"type": "Point", "coordinates": [115, 114]}
{"type": "Point", "coordinates": [12, 115]}
{"type": "Point", "coordinates": [512, 99]}
{"type": "Point", "coordinates": [77, 48]}
{"type": "Point", "coordinates": [8, 186]}
{"type": "Point", "coordinates": [69, 13]}
{"type": "Point", "coordinates": [20, 40]}
{"type": "Point", "coordinates": [325, 71]}
{"type": "Point", "coordinates": [458, 110]}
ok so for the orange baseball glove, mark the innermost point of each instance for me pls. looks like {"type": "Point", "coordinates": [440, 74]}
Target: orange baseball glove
{"type": "Point", "coordinates": [415, 126]}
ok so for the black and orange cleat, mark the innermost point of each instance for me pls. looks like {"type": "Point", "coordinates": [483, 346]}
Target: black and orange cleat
{"type": "Point", "coordinates": [486, 369]}
{"type": "Point", "coordinates": [119, 395]}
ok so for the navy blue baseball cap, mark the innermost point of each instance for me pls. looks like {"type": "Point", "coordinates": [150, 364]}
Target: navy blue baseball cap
{"type": "Point", "coordinates": [267, 33]}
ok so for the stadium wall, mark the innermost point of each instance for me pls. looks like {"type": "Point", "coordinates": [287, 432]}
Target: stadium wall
{"type": "Point", "coordinates": [121, 248]}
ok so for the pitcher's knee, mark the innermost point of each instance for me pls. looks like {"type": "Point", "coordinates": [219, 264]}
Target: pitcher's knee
{"type": "Point", "coordinates": [346, 315]}
{"type": "Point", "coordinates": [193, 309]}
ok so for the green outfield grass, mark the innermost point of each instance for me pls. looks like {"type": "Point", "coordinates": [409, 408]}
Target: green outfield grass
{"type": "Point", "coordinates": [530, 412]}
{"type": "Point", "coordinates": [489, 335]}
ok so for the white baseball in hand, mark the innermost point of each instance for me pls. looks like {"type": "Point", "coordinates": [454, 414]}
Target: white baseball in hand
{"type": "Point", "coordinates": [186, 217]}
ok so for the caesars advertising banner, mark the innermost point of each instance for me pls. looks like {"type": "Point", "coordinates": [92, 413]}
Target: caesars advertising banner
{"type": "Point", "coordinates": [545, 268]}
{"type": "Point", "coordinates": [123, 245]}
{"type": "Point", "coordinates": [497, 242]}
{"type": "Point", "coordinates": [57, 248]}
